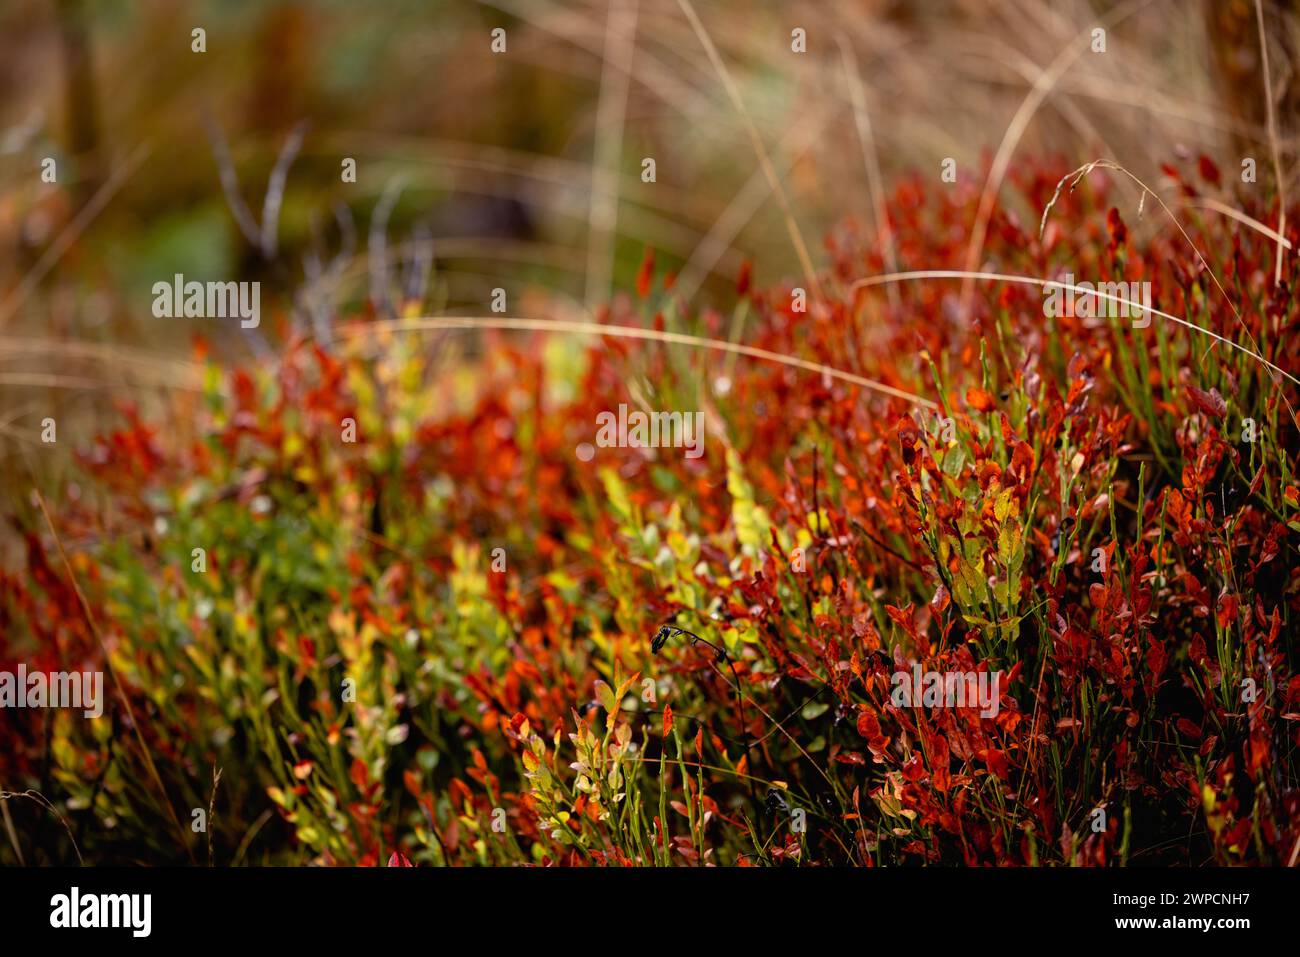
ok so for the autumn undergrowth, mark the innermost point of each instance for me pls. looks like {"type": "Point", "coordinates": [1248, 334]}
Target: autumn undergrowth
{"type": "Point", "coordinates": [441, 643]}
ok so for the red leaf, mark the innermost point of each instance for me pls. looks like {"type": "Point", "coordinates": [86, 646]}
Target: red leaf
{"type": "Point", "coordinates": [360, 777]}
{"type": "Point", "coordinates": [745, 278]}
{"type": "Point", "coordinates": [399, 860]}
{"type": "Point", "coordinates": [997, 762]}
{"type": "Point", "coordinates": [1022, 461]}
{"type": "Point", "coordinates": [940, 600]}
{"type": "Point", "coordinates": [1209, 172]}
{"type": "Point", "coordinates": [869, 728]}
{"type": "Point", "coordinates": [645, 274]}
{"type": "Point", "coordinates": [903, 617]}
{"type": "Point", "coordinates": [913, 769]}
{"type": "Point", "coordinates": [1227, 609]}
{"type": "Point", "coordinates": [1211, 403]}
{"type": "Point", "coordinates": [1115, 226]}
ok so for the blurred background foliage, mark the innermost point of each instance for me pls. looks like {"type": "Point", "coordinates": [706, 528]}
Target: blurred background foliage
{"type": "Point", "coordinates": [522, 170]}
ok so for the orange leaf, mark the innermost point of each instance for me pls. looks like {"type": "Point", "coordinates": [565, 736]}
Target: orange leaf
{"type": "Point", "coordinates": [645, 274]}
{"type": "Point", "coordinates": [979, 400]}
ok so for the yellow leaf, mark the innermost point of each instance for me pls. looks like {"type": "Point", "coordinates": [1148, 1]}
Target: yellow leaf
{"type": "Point", "coordinates": [750, 521]}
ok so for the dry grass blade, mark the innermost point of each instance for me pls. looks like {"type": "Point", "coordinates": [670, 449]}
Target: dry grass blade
{"type": "Point", "coordinates": [1272, 139]}
{"type": "Point", "coordinates": [43, 801]}
{"type": "Point", "coordinates": [1015, 130]}
{"type": "Point", "coordinates": [616, 78]}
{"type": "Point", "coordinates": [965, 276]}
{"type": "Point", "coordinates": [711, 253]}
{"type": "Point", "coordinates": [355, 330]}
{"type": "Point", "coordinates": [74, 229]}
{"type": "Point", "coordinates": [796, 237]}
{"type": "Point", "coordinates": [1224, 209]}
{"type": "Point", "coordinates": [884, 233]}
{"type": "Point", "coordinates": [1076, 175]}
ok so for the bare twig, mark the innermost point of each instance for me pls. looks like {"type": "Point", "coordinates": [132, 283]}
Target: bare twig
{"type": "Point", "coordinates": [264, 238]}
{"type": "Point", "coordinates": [230, 182]}
{"type": "Point", "coordinates": [377, 248]}
{"type": "Point", "coordinates": [415, 275]}
{"type": "Point", "coordinates": [274, 198]}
